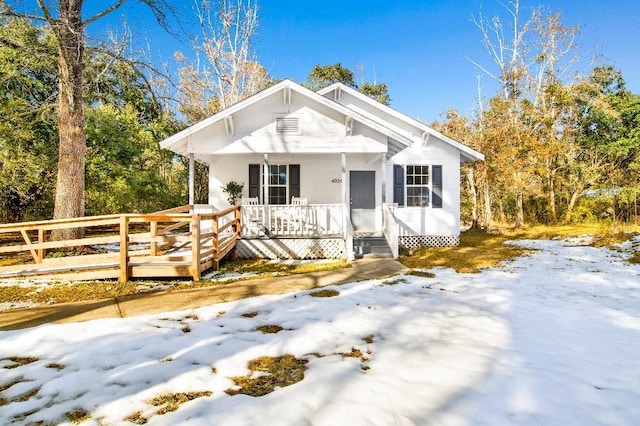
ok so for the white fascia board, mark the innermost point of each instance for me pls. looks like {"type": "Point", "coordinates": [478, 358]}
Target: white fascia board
{"type": "Point", "coordinates": [471, 153]}
{"type": "Point", "coordinates": [167, 143]}
{"type": "Point", "coordinates": [371, 121]}
{"type": "Point", "coordinates": [220, 115]}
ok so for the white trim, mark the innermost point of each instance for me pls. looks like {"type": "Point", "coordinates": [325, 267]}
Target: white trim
{"type": "Point", "coordinates": [265, 179]}
{"type": "Point", "coordinates": [358, 116]}
{"type": "Point", "coordinates": [192, 185]}
{"type": "Point", "coordinates": [348, 126]}
{"type": "Point", "coordinates": [471, 153]}
{"type": "Point", "coordinates": [228, 125]}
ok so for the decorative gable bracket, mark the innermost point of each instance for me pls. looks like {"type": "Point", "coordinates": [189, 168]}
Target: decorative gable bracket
{"type": "Point", "coordinates": [348, 126]}
{"type": "Point", "coordinates": [425, 139]}
{"type": "Point", "coordinates": [286, 97]}
{"type": "Point", "coordinates": [228, 125]}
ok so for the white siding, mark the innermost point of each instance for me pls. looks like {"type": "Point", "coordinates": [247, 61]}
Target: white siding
{"type": "Point", "coordinates": [321, 129]}
{"type": "Point", "coordinates": [429, 220]}
{"type": "Point", "coordinates": [316, 174]}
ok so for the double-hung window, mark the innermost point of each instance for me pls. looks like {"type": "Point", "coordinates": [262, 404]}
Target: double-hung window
{"type": "Point", "coordinates": [417, 183]}
{"type": "Point", "coordinates": [277, 184]}
{"type": "Point", "coordinates": [283, 182]}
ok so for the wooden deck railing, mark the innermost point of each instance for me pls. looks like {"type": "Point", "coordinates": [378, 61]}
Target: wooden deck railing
{"type": "Point", "coordinates": [312, 220]}
{"type": "Point", "coordinates": [171, 243]}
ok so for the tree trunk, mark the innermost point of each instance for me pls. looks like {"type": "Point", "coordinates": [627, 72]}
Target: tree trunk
{"type": "Point", "coordinates": [552, 195]}
{"type": "Point", "coordinates": [519, 210]}
{"type": "Point", "coordinates": [572, 203]}
{"type": "Point", "coordinates": [13, 207]}
{"type": "Point", "coordinates": [474, 198]}
{"type": "Point", "coordinates": [69, 198]}
{"type": "Point", "coordinates": [487, 204]}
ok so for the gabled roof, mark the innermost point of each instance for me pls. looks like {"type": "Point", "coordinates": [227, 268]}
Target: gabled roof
{"type": "Point", "coordinates": [178, 140]}
{"type": "Point", "coordinates": [469, 153]}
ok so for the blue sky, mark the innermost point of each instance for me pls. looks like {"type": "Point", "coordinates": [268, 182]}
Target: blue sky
{"type": "Point", "coordinates": [419, 47]}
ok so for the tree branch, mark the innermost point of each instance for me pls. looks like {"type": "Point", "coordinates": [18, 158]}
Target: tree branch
{"type": "Point", "coordinates": [105, 12]}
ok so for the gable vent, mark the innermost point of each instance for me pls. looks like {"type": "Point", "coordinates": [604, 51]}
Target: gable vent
{"type": "Point", "coordinates": [287, 124]}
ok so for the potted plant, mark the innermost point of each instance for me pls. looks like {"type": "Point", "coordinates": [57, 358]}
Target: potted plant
{"type": "Point", "coordinates": [233, 190]}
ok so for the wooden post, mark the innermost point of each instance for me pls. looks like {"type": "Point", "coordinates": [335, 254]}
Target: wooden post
{"type": "Point", "coordinates": [214, 242]}
{"type": "Point", "coordinates": [40, 241]}
{"type": "Point", "coordinates": [124, 249]}
{"type": "Point", "coordinates": [153, 231]}
{"type": "Point", "coordinates": [195, 247]}
{"type": "Point", "coordinates": [192, 179]}
{"type": "Point", "coordinates": [238, 230]}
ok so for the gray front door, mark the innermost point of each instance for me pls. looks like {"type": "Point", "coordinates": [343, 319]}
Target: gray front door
{"type": "Point", "coordinates": [362, 189]}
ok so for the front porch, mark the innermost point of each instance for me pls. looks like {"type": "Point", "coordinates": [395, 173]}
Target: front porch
{"type": "Point", "coordinates": [292, 231]}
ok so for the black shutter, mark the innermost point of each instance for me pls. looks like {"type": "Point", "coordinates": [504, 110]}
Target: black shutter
{"type": "Point", "coordinates": [436, 183]}
{"type": "Point", "coordinates": [254, 180]}
{"type": "Point", "coordinates": [398, 185]}
{"type": "Point", "coordinates": [294, 180]}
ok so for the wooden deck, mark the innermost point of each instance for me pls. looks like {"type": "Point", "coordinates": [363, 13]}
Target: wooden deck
{"type": "Point", "coordinates": [179, 242]}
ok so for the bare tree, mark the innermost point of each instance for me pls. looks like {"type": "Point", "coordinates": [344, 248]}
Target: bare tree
{"type": "Point", "coordinates": [66, 20]}
{"type": "Point", "coordinates": [231, 71]}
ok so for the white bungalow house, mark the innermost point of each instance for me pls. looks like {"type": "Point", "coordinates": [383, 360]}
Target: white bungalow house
{"type": "Point", "coordinates": [320, 168]}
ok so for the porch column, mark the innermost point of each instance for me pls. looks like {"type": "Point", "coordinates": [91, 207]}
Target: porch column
{"type": "Point", "coordinates": [383, 177]}
{"type": "Point", "coordinates": [265, 179]}
{"type": "Point", "coordinates": [344, 178]}
{"type": "Point", "coordinates": [191, 179]}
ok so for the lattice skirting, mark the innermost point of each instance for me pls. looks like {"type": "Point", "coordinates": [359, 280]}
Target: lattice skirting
{"type": "Point", "coordinates": [413, 241]}
{"type": "Point", "coordinates": [291, 248]}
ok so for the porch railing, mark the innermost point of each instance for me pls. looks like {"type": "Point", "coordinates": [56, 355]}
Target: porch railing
{"type": "Point", "coordinates": [390, 229]}
{"type": "Point", "coordinates": [312, 220]}
{"type": "Point", "coordinates": [174, 242]}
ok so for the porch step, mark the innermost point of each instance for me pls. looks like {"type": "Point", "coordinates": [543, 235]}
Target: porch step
{"type": "Point", "coordinates": [371, 246]}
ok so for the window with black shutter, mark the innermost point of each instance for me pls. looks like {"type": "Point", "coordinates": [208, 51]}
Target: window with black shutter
{"type": "Point", "coordinates": [284, 182]}
{"type": "Point", "coordinates": [294, 180]}
{"type": "Point", "coordinates": [398, 185]}
{"type": "Point", "coordinates": [436, 184]}
{"type": "Point", "coordinates": [254, 180]}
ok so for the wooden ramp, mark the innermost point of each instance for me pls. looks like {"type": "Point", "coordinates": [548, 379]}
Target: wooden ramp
{"type": "Point", "coordinates": [172, 243]}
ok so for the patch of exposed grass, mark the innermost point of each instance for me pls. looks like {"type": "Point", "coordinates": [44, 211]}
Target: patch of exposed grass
{"type": "Point", "coordinates": [64, 292]}
{"type": "Point", "coordinates": [17, 259]}
{"type": "Point", "coordinates": [281, 371]}
{"type": "Point", "coordinates": [368, 339]}
{"type": "Point", "coordinates": [136, 418]}
{"type": "Point", "coordinates": [172, 401]}
{"type": "Point", "coordinates": [600, 235]}
{"type": "Point", "coordinates": [635, 259]}
{"type": "Point", "coordinates": [99, 290]}
{"type": "Point", "coordinates": [27, 395]}
{"type": "Point", "coordinates": [423, 274]}
{"type": "Point", "coordinates": [266, 267]}
{"type": "Point", "coordinates": [269, 328]}
{"type": "Point", "coordinates": [249, 314]}
{"type": "Point", "coordinates": [5, 386]}
{"type": "Point", "coordinates": [186, 329]}
{"type": "Point", "coordinates": [598, 230]}
{"type": "Point", "coordinates": [355, 353]}
{"type": "Point", "coordinates": [55, 365]}
{"type": "Point", "coordinates": [395, 281]}
{"type": "Point", "coordinates": [325, 293]}
{"type": "Point", "coordinates": [78, 415]}
{"type": "Point", "coordinates": [477, 250]}
{"type": "Point", "coordinates": [19, 361]}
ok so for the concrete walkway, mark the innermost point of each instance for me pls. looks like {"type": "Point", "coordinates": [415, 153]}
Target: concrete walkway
{"type": "Point", "coordinates": [164, 301]}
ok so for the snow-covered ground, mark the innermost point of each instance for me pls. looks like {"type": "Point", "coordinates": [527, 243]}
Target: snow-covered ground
{"type": "Point", "coordinates": [549, 339]}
